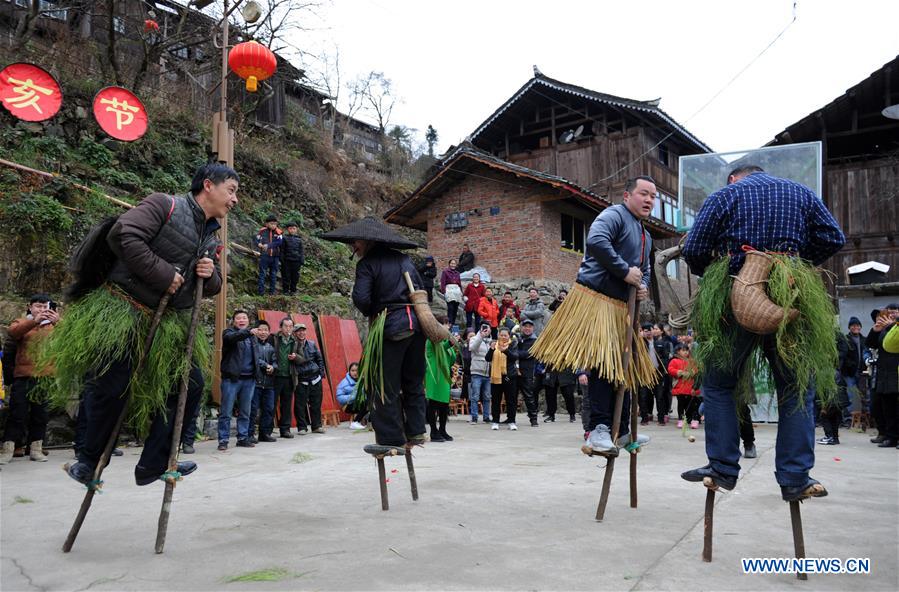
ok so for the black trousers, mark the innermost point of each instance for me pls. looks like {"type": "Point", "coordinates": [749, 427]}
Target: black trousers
{"type": "Point", "coordinates": [655, 394]}
{"type": "Point", "coordinates": [284, 396]}
{"type": "Point", "coordinates": [831, 417]}
{"type": "Point", "coordinates": [27, 420]}
{"type": "Point", "coordinates": [103, 402]}
{"type": "Point", "coordinates": [551, 394]}
{"type": "Point", "coordinates": [452, 309]}
{"type": "Point", "coordinates": [528, 387]}
{"type": "Point", "coordinates": [508, 390]}
{"type": "Point", "coordinates": [402, 413]}
{"type": "Point", "coordinates": [311, 395]}
{"type": "Point", "coordinates": [437, 415]}
{"type": "Point", "coordinates": [747, 432]}
{"type": "Point", "coordinates": [890, 407]}
{"type": "Point", "coordinates": [290, 275]}
{"type": "Point", "coordinates": [602, 404]}
{"type": "Point", "coordinates": [687, 407]}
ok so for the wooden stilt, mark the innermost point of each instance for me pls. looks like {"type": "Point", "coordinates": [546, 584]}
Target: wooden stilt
{"type": "Point", "coordinates": [798, 538]}
{"type": "Point", "coordinates": [634, 412]}
{"type": "Point", "coordinates": [707, 531]}
{"type": "Point", "coordinates": [606, 484]}
{"type": "Point", "coordinates": [412, 480]}
{"type": "Point", "coordinates": [382, 476]}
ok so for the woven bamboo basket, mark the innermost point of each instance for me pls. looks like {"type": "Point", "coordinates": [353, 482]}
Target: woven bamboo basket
{"type": "Point", "coordinates": [752, 308]}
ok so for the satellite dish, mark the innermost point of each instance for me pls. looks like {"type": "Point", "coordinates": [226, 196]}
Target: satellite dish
{"type": "Point", "coordinates": [566, 137]}
{"type": "Point", "coordinates": [579, 131]}
{"type": "Point", "coordinates": [251, 12]}
{"type": "Point", "coordinates": [892, 112]}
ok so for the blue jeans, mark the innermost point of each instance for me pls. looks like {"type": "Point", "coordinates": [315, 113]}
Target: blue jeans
{"type": "Point", "coordinates": [241, 391]}
{"type": "Point", "coordinates": [268, 266]}
{"type": "Point", "coordinates": [795, 448]}
{"type": "Point", "coordinates": [479, 390]}
{"type": "Point", "coordinates": [264, 396]}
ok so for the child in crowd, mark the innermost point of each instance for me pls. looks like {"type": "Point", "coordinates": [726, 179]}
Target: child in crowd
{"type": "Point", "coordinates": [682, 370]}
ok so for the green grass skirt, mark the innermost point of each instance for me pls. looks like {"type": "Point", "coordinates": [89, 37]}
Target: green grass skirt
{"type": "Point", "coordinates": [102, 327]}
{"type": "Point", "coordinates": [807, 346]}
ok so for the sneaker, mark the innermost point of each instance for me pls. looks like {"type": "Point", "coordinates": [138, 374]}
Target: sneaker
{"type": "Point", "coordinates": [437, 437]}
{"type": "Point", "coordinates": [749, 451]}
{"type": "Point", "coordinates": [80, 472]}
{"type": "Point", "coordinates": [827, 441]}
{"type": "Point", "coordinates": [571, 419]}
{"type": "Point", "coordinates": [513, 427]}
{"type": "Point", "coordinates": [144, 477]}
{"type": "Point", "coordinates": [707, 472]}
{"type": "Point", "coordinates": [303, 431]}
{"type": "Point", "coordinates": [600, 440]}
{"type": "Point", "coordinates": [494, 426]}
{"type": "Point", "coordinates": [223, 446]}
{"type": "Point", "coordinates": [245, 444]}
{"type": "Point", "coordinates": [187, 449]}
{"type": "Point", "coordinates": [680, 423]}
{"type": "Point", "coordinates": [694, 425]}
{"type": "Point", "coordinates": [534, 423]}
{"type": "Point", "coordinates": [117, 452]}
{"type": "Point", "coordinates": [446, 436]}
{"type": "Point", "coordinates": [355, 425]}
{"type": "Point", "coordinates": [887, 443]}
{"type": "Point", "coordinates": [318, 430]}
{"type": "Point", "coordinates": [810, 488]}
{"type": "Point", "coordinates": [642, 440]}
{"type": "Point", "coordinates": [473, 420]}
{"type": "Point", "coordinates": [286, 434]}
{"type": "Point", "coordinates": [549, 419]}
{"type": "Point", "coordinates": [266, 438]}
{"type": "Point", "coordinates": [877, 439]}
{"type": "Point", "coordinates": [253, 440]}
{"type": "Point", "coordinates": [487, 419]}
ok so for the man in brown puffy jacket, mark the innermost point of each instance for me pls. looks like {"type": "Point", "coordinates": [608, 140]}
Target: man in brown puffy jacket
{"type": "Point", "coordinates": [28, 418]}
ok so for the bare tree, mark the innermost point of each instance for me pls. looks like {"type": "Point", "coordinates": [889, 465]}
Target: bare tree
{"type": "Point", "coordinates": [28, 17]}
{"type": "Point", "coordinates": [380, 99]}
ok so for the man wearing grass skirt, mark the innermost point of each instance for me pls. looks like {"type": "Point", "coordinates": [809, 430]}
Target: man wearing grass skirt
{"type": "Point", "coordinates": [771, 215]}
{"type": "Point", "coordinates": [162, 245]}
{"type": "Point", "coordinates": [397, 413]}
{"type": "Point", "coordinates": [616, 260]}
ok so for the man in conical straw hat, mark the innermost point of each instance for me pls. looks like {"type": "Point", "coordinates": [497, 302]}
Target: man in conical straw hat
{"type": "Point", "coordinates": [758, 219]}
{"type": "Point", "coordinates": [588, 330]}
{"type": "Point", "coordinates": [392, 371]}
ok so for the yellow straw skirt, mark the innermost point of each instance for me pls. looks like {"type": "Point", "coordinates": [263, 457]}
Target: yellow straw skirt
{"type": "Point", "coordinates": [588, 332]}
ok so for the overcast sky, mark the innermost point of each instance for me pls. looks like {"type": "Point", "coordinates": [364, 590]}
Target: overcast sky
{"type": "Point", "coordinates": [454, 63]}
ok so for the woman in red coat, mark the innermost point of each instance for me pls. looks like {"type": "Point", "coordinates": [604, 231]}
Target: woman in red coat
{"type": "Point", "coordinates": [474, 291]}
{"type": "Point", "coordinates": [683, 370]}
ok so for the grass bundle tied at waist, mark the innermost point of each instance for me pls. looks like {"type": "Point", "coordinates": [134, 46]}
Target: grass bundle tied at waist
{"type": "Point", "coordinates": [371, 366]}
{"type": "Point", "coordinates": [807, 345]}
{"type": "Point", "coordinates": [587, 332]}
{"type": "Point", "coordinates": [105, 326]}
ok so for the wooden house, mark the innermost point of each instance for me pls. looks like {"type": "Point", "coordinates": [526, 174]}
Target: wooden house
{"type": "Point", "coordinates": [524, 189]}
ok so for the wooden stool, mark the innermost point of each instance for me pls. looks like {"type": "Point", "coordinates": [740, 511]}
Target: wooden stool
{"type": "Point", "coordinates": [861, 420]}
{"type": "Point", "coordinates": [379, 452]}
{"type": "Point", "coordinates": [458, 406]}
{"type": "Point", "coordinates": [331, 417]}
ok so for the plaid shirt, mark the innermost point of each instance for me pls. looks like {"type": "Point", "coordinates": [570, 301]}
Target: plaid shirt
{"type": "Point", "coordinates": [766, 213]}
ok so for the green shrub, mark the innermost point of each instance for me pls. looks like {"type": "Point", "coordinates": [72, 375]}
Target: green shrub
{"type": "Point", "coordinates": [35, 213]}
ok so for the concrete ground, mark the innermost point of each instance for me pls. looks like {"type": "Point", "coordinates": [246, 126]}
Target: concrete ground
{"type": "Point", "coordinates": [498, 510]}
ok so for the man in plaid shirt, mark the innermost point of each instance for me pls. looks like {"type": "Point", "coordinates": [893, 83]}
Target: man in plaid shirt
{"type": "Point", "coordinates": [771, 214]}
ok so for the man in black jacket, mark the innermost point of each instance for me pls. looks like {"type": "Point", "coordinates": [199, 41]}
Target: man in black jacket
{"type": "Point", "coordinates": [527, 381]}
{"type": "Point", "coordinates": [310, 368]}
{"type": "Point", "coordinates": [264, 394]}
{"type": "Point", "coordinates": [397, 414]}
{"type": "Point", "coordinates": [886, 391]}
{"type": "Point", "coordinates": [238, 367]}
{"type": "Point", "coordinates": [466, 260]}
{"type": "Point", "coordinates": [292, 259]}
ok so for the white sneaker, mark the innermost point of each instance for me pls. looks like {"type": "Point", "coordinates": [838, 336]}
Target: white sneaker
{"type": "Point", "coordinates": [600, 439]}
{"type": "Point", "coordinates": [494, 426]}
{"type": "Point", "coordinates": [513, 427]}
{"type": "Point", "coordinates": [355, 425]}
{"type": "Point", "coordinates": [642, 440]}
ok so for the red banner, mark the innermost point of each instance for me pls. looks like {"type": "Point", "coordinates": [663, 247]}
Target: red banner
{"type": "Point", "coordinates": [120, 113]}
{"type": "Point", "coordinates": [29, 92]}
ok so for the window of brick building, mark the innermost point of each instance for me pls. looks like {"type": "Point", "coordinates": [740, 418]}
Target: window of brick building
{"type": "Point", "coordinates": [573, 233]}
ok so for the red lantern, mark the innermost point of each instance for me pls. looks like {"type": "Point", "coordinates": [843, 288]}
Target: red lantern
{"type": "Point", "coordinates": [150, 25]}
{"type": "Point", "coordinates": [252, 62]}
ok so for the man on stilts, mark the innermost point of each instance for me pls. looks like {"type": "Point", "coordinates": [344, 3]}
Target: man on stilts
{"type": "Point", "coordinates": [588, 330]}
{"type": "Point", "coordinates": [161, 246]}
{"type": "Point", "coordinates": [777, 224]}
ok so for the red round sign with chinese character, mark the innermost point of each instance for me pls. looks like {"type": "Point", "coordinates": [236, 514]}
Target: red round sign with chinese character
{"type": "Point", "coordinates": [120, 113]}
{"type": "Point", "coordinates": [29, 92]}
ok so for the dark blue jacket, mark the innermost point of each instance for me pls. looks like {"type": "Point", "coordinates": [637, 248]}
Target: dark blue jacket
{"type": "Point", "coordinates": [265, 356]}
{"type": "Point", "coordinates": [271, 239]}
{"type": "Point", "coordinates": [232, 345]}
{"type": "Point", "coordinates": [292, 248]}
{"type": "Point", "coordinates": [309, 363]}
{"type": "Point", "coordinates": [613, 247]}
{"type": "Point", "coordinates": [380, 284]}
